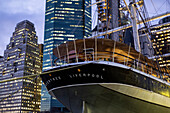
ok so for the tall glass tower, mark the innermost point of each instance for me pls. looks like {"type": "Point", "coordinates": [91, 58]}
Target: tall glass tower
{"type": "Point", "coordinates": [65, 20]}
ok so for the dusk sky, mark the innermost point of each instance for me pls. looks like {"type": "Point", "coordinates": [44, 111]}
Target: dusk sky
{"type": "Point", "coordinates": [14, 11]}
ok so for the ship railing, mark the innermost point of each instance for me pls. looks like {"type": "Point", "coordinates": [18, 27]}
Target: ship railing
{"type": "Point", "coordinates": [117, 58]}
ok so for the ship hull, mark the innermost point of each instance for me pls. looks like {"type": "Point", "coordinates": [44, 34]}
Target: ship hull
{"type": "Point", "coordinates": [100, 99]}
{"type": "Point", "coordinates": [97, 87]}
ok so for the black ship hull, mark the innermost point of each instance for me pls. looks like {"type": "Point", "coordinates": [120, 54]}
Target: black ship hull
{"type": "Point", "coordinates": [97, 87]}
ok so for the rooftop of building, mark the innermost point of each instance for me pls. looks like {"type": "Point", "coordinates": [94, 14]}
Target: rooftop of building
{"type": "Point", "coordinates": [25, 22]}
{"type": "Point", "coordinates": [164, 20]}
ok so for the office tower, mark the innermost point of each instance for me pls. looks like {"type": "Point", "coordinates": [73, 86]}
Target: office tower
{"type": "Point", "coordinates": [65, 20]}
{"type": "Point", "coordinates": [50, 104]}
{"type": "Point", "coordinates": [161, 42]}
{"type": "Point", "coordinates": [21, 58]}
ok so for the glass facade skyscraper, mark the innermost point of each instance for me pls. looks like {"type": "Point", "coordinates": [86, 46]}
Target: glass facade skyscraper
{"type": "Point", "coordinates": [65, 20]}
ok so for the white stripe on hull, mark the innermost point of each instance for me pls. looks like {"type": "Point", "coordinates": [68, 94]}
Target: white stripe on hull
{"type": "Point", "coordinates": [139, 93]}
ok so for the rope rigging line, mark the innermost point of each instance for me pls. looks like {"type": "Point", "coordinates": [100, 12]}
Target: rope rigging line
{"type": "Point", "coordinates": [94, 17]}
{"type": "Point", "coordinates": [149, 38]}
{"type": "Point", "coordinates": [81, 18]}
{"type": "Point", "coordinates": [143, 20]}
{"type": "Point", "coordinates": [154, 7]}
{"type": "Point", "coordinates": [168, 2]}
{"type": "Point", "coordinates": [77, 24]}
{"type": "Point", "coordinates": [161, 6]}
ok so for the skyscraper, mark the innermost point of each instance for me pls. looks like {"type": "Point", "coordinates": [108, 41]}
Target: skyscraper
{"type": "Point", "coordinates": [161, 43]}
{"type": "Point", "coordinates": [41, 53]}
{"type": "Point", "coordinates": [65, 20]}
{"type": "Point", "coordinates": [1, 64]}
{"type": "Point", "coordinates": [21, 58]}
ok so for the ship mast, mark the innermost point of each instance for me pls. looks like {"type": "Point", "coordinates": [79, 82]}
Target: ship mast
{"type": "Point", "coordinates": [107, 16]}
{"type": "Point", "coordinates": [132, 11]}
{"type": "Point", "coordinates": [134, 26]}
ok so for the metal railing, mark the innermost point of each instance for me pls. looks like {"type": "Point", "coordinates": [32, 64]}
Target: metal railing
{"type": "Point", "coordinates": [114, 57]}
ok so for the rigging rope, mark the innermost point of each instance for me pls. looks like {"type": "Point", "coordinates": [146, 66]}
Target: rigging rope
{"type": "Point", "coordinates": [161, 6]}
{"type": "Point", "coordinates": [143, 20]}
{"type": "Point", "coordinates": [154, 6]}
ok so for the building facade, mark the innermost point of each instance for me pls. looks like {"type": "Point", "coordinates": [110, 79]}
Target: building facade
{"type": "Point", "coordinates": [160, 39]}
{"type": "Point", "coordinates": [161, 43]}
{"type": "Point", "coordinates": [21, 58]}
{"type": "Point", "coordinates": [1, 64]}
{"type": "Point", "coordinates": [41, 54]}
{"type": "Point", "coordinates": [65, 20]}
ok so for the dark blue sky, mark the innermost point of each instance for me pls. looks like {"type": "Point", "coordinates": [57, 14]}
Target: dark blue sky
{"type": "Point", "coordinates": [14, 11]}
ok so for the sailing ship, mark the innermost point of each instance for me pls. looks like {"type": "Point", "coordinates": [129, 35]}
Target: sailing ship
{"type": "Point", "coordinates": [103, 75]}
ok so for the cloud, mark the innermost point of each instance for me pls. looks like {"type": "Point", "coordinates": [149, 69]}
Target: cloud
{"type": "Point", "coordinates": [15, 11]}
{"type": "Point", "coordinates": [21, 6]}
